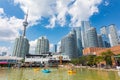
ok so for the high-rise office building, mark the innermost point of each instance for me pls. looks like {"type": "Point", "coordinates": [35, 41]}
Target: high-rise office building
{"type": "Point", "coordinates": [119, 39]}
{"type": "Point", "coordinates": [62, 47]}
{"type": "Point", "coordinates": [55, 48]}
{"type": "Point", "coordinates": [106, 41]}
{"type": "Point", "coordinates": [100, 41]}
{"type": "Point", "coordinates": [85, 25]}
{"type": "Point", "coordinates": [73, 31]}
{"type": "Point", "coordinates": [21, 46]}
{"type": "Point", "coordinates": [104, 31]}
{"type": "Point", "coordinates": [42, 45]}
{"type": "Point", "coordinates": [68, 45]}
{"type": "Point", "coordinates": [79, 41]}
{"type": "Point", "coordinates": [105, 38]}
{"type": "Point", "coordinates": [92, 37]}
{"type": "Point", "coordinates": [113, 36]}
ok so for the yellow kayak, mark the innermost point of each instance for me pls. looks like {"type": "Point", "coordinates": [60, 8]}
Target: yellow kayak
{"type": "Point", "coordinates": [36, 69]}
{"type": "Point", "coordinates": [71, 71]}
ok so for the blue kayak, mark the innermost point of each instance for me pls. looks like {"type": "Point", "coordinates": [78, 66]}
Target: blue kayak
{"type": "Point", "coordinates": [46, 71]}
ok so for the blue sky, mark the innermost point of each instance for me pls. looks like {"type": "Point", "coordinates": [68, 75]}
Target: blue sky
{"type": "Point", "coordinates": [53, 18]}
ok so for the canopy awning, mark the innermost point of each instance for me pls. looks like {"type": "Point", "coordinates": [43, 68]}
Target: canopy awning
{"type": "Point", "coordinates": [3, 62]}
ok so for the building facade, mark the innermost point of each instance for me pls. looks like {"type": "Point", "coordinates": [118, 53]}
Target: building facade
{"type": "Point", "coordinates": [100, 41]}
{"type": "Point", "coordinates": [42, 46]}
{"type": "Point", "coordinates": [68, 45]}
{"type": "Point", "coordinates": [104, 33]}
{"type": "Point", "coordinates": [106, 41]}
{"type": "Point", "coordinates": [104, 30]}
{"type": "Point", "coordinates": [55, 48]}
{"type": "Point", "coordinates": [113, 36]}
{"type": "Point", "coordinates": [97, 50]}
{"type": "Point", "coordinates": [85, 25]}
{"type": "Point", "coordinates": [79, 41]}
{"type": "Point", "coordinates": [21, 47]}
{"type": "Point", "coordinates": [92, 37]}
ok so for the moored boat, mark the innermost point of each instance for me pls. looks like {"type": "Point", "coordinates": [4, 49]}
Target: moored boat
{"type": "Point", "coordinates": [46, 71]}
{"type": "Point", "coordinates": [36, 69]}
{"type": "Point", "coordinates": [71, 72]}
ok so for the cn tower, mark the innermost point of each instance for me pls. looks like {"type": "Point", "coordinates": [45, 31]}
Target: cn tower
{"type": "Point", "coordinates": [21, 46]}
{"type": "Point", "coordinates": [25, 24]}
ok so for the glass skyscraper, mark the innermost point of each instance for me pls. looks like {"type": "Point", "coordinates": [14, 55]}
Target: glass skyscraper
{"type": "Point", "coordinates": [68, 45]}
{"type": "Point", "coordinates": [105, 38]}
{"type": "Point", "coordinates": [92, 37]}
{"type": "Point", "coordinates": [79, 40]}
{"type": "Point", "coordinates": [21, 47]}
{"type": "Point", "coordinates": [85, 25]}
{"type": "Point", "coordinates": [113, 36]}
{"type": "Point", "coordinates": [104, 31]}
{"type": "Point", "coordinates": [55, 48]}
{"type": "Point", "coordinates": [42, 46]}
{"type": "Point", "coordinates": [119, 38]}
{"type": "Point", "coordinates": [100, 41]}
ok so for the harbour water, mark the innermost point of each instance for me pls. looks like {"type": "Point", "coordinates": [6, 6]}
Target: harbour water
{"type": "Point", "coordinates": [57, 74]}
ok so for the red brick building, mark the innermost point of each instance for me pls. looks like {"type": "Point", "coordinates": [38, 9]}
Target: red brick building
{"type": "Point", "coordinates": [97, 50]}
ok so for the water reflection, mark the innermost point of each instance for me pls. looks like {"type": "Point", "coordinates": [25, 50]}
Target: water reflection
{"type": "Point", "coordinates": [58, 74]}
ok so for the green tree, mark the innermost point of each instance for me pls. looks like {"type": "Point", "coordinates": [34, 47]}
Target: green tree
{"type": "Point", "coordinates": [90, 60]}
{"type": "Point", "coordinates": [107, 57]}
{"type": "Point", "coordinates": [82, 60]}
{"type": "Point", "coordinates": [75, 61]}
{"type": "Point", "coordinates": [98, 59]}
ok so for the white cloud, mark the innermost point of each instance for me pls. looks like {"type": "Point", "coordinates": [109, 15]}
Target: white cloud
{"type": "Point", "coordinates": [52, 22]}
{"type": "Point", "coordinates": [82, 10]}
{"type": "Point", "coordinates": [106, 3]}
{"type": "Point", "coordinates": [3, 49]}
{"type": "Point", "coordinates": [32, 46]}
{"type": "Point", "coordinates": [37, 8]}
{"type": "Point", "coordinates": [9, 27]}
{"type": "Point", "coordinates": [62, 11]}
{"type": "Point", "coordinates": [56, 10]}
{"type": "Point", "coordinates": [1, 11]}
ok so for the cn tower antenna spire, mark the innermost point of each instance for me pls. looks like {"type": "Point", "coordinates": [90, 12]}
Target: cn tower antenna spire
{"type": "Point", "coordinates": [25, 24]}
{"type": "Point", "coordinates": [26, 16]}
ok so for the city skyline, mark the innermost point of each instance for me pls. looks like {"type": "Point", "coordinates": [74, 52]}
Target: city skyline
{"type": "Point", "coordinates": [54, 27]}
